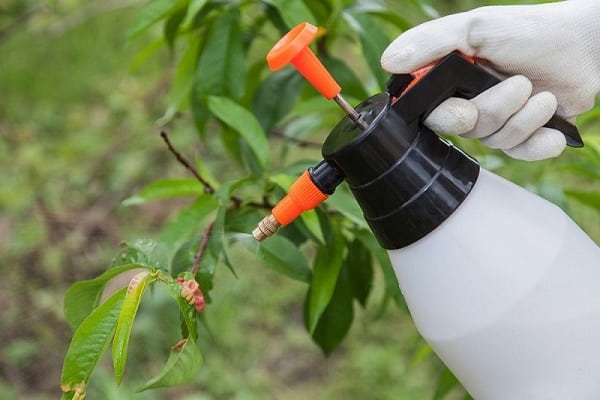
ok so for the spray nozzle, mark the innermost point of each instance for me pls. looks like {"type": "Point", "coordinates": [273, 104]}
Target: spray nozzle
{"type": "Point", "coordinates": [310, 189]}
{"type": "Point", "coordinates": [294, 49]}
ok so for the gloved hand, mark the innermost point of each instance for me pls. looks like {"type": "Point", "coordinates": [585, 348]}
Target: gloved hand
{"type": "Point", "coordinates": [550, 52]}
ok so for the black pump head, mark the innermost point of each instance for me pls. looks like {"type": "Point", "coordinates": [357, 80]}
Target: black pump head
{"type": "Point", "coordinates": [406, 179]}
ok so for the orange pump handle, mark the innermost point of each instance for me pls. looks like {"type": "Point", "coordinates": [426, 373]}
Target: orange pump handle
{"type": "Point", "coordinates": [423, 71]}
{"type": "Point", "coordinates": [304, 195]}
{"type": "Point", "coordinates": [293, 48]}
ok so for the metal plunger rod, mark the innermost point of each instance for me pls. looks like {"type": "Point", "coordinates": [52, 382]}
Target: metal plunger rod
{"type": "Point", "coordinates": [349, 110]}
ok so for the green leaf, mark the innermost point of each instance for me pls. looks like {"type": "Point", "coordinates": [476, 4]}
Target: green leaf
{"type": "Point", "coordinates": [446, 383]}
{"type": "Point", "coordinates": [172, 24]}
{"type": "Point", "coordinates": [326, 269]}
{"type": "Point", "coordinates": [89, 343]}
{"type": "Point", "coordinates": [423, 351]}
{"type": "Point", "coordinates": [82, 297]}
{"type": "Point", "coordinates": [392, 289]}
{"type": "Point", "coordinates": [165, 189]}
{"type": "Point", "coordinates": [393, 18]}
{"type": "Point", "coordinates": [343, 202]}
{"type": "Point", "coordinates": [216, 242]}
{"type": "Point", "coordinates": [373, 41]}
{"type": "Point", "coordinates": [311, 221]}
{"type": "Point", "coordinates": [181, 367]}
{"type": "Point", "coordinates": [360, 271]}
{"type": "Point", "coordinates": [293, 12]}
{"type": "Point", "coordinates": [151, 14]}
{"type": "Point", "coordinates": [336, 318]}
{"type": "Point", "coordinates": [181, 87]}
{"type": "Point", "coordinates": [279, 254]}
{"type": "Point", "coordinates": [145, 253]}
{"type": "Point", "coordinates": [243, 122]}
{"type": "Point", "coordinates": [143, 55]}
{"type": "Point", "coordinates": [187, 222]}
{"type": "Point", "coordinates": [120, 343]}
{"type": "Point", "coordinates": [276, 96]}
{"type": "Point", "coordinates": [588, 198]}
{"type": "Point", "coordinates": [426, 9]}
{"type": "Point", "coordinates": [345, 77]}
{"type": "Point", "coordinates": [222, 67]}
{"type": "Point", "coordinates": [193, 9]}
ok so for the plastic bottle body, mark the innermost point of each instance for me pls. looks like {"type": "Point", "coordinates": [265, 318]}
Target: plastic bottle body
{"type": "Point", "coordinates": [507, 293]}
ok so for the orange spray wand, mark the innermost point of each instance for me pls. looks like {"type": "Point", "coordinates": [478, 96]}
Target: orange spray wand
{"type": "Point", "coordinates": [306, 193]}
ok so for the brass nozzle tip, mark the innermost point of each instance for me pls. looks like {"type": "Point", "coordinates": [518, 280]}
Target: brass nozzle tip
{"type": "Point", "coordinates": [267, 227]}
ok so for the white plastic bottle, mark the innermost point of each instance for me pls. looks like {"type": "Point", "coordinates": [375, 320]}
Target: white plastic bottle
{"type": "Point", "coordinates": [501, 283]}
{"type": "Point", "coordinates": [507, 293]}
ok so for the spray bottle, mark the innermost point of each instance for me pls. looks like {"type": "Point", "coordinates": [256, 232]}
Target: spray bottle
{"type": "Point", "coordinates": [502, 284]}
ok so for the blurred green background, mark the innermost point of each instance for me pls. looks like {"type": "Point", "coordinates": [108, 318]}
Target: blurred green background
{"type": "Point", "coordinates": [78, 134]}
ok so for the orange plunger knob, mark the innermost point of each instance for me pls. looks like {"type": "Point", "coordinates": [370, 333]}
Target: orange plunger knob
{"type": "Point", "coordinates": [293, 48]}
{"type": "Point", "coordinates": [304, 195]}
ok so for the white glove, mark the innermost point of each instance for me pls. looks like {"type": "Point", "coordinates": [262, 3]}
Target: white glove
{"type": "Point", "coordinates": [554, 51]}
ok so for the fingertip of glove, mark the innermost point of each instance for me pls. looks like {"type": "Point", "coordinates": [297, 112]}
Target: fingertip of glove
{"type": "Point", "coordinates": [455, 116]}
{"type": "Point", "coordinates": [544, 143]}
{"type": "Point", "coordinates": [519, 84]}
{"type": "Point", "coordinates": [396, 59]}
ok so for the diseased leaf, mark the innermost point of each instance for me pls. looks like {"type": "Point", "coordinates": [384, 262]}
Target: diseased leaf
{"type": "Point", "coordinates": [82, 296]}
{"type": "Point", "coordinates": [89, 343]}
{"type": "Point", "coordinates": [165, 189]}
{"type": "Point", "coordinates": [129, 309]}
{"type": "Point", "coordinates": [360, 271]}
{"type": "Point", "coordinates": [244, 123]}
{"type": "Point", "coordinates": [326, 269]}
{"type": "Point", "coordinates": [279, 254]}
{"type": "Point", "coordinates": [182, 366]}
{"type": "Point", "coordinates": [187, 311]}
{"type": "Point", "coordinates": [336, 318]}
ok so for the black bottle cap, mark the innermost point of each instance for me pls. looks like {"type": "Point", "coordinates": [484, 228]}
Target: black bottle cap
{"type": "Point", "coordinates": [406, 179]}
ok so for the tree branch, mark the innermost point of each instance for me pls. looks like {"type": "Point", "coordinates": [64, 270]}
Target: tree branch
{"type": "Point", "coordinates": [299, 142]}
{"type": "Point", "coordinates": [207, 186]}
{"type": "Point", "coordinates": [202, 248]}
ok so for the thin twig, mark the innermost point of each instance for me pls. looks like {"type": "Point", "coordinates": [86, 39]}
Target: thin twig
{"type": "Point", "coordinates": [202, 247]}
{"type": "Point", "coordinates": [208, 188]}
{"type": "Point", "coordinates": [299, 142]}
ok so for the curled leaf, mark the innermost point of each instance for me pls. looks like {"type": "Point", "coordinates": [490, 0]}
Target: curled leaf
{"type": "Point", "coordinates": [134, 295]}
